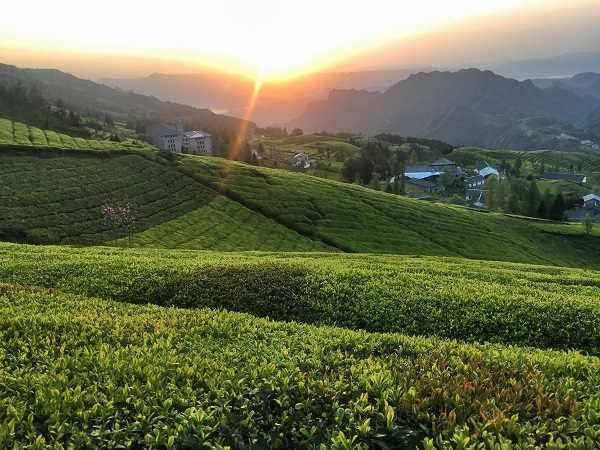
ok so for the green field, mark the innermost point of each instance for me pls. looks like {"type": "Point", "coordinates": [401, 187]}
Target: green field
{"type": "Point", "coordinates": [355, 219]}
{"type": "Point", "coordinates": [20, 134]}
{"type": "Point", "coordinates": [553, 160]}
{"type": "Point", "coordinates": [52, 196]}
{"type": "Point", "coordinates": [77, 371]}
{"type": "Point", "coordinates": [283, 150]}
{"type": "Point", "coordinates": [49, 196]}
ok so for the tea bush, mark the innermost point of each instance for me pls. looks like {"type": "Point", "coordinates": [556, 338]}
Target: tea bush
{"type": "Point", "coordinates": [78, 372]}
{"type": "Point", "coordinates": [472, 301]}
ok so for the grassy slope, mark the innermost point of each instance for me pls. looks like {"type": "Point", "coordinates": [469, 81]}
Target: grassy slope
{"type": "Point", "coordinates": [17, 133]}
{"type": "Point", "coordinates": [178, 207]}
{"type": "Point", "coordinates": [359, 220]}
{"type": "Point", "coordinates": [49, 196]}
{"type": "Point", "coordinates": [85, 373]}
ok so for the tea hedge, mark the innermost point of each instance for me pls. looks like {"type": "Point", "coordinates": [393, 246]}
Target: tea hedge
{"type": "Point", "coordinates": [355, 219]}
{"type": "Point", "coordinates": [55, 196]}
{"type": "Point", "coordinates": [473, 301]}
{"type": "Point", "coordinates": [77, 372]}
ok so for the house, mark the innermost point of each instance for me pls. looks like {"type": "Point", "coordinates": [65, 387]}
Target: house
{"type": "Point", "coordinates": [575, 177]}
{"type": "Point", "coordinates": [197, 142]}
{"type": "Point", "coordinates": [474, 181]}
{"type": "Point", "coordinates": [431, 172]}
{"type": "Point", "coordinates": [592, 199]}
{"type": "Point", "coordinates": [300, 159]}
{"type": "Point", "coordinates": [590, 207]}
{"type": "Point", "coordinates": [427, 186]}
{"type": "Point", "coordinates": [474, 197]}
{"type": "Point", "coordinates": [444, 164]}
{"type": "Point", "coordinates": [485, 170]}
{"type": "Point", "coordinates": [166, 137]}
{"type": "Point", "coordinates": [421, 172]}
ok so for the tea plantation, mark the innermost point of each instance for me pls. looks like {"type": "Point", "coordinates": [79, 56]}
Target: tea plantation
{"type": "Point", "coordinates": [475, 301]}
{"type": "Point", "coordinates": [268, 309]}
{"type": "Point", "coordinates": [78, 372]}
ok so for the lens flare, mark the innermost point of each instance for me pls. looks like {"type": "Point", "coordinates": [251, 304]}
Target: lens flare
{"type": "Point", "coordinates": [241, 134]}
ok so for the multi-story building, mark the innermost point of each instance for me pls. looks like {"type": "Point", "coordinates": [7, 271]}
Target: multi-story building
{"type": "Point", "coordinates": [176, 140]}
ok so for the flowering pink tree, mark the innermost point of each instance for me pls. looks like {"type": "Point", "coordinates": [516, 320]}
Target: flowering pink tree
{"type": "Point", "coordinates": [120, 216]}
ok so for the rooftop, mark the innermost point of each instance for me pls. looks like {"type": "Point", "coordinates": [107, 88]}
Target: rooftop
{"type": "Point", "coordinates": [196, 134]}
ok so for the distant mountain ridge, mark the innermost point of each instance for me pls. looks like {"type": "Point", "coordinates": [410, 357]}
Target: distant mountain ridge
{"type": "Point", "coordinates": [278, 102]}
{"type": "Point", "coordinates": [86, 95]}
{"type": "Point", "coordinates": [582, 84]}
{"type": "Point", "coordinates": [468, 107]}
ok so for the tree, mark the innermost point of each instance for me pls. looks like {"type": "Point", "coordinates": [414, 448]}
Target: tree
{"type": "Point", "coordinates": [497, 193]}
{"type": "Point", "coordinates": [120, 215]}
{"type": "Point", "coordinates": [375, 181]}
{"type": "Point", "coordinates": [532, 197]}
{"type": "Point", "coordinates": [445, 179]}
{"type": "Point", "coordinates": [526, 170]}
{"type": "Point", "coordinates": [297, 132]}
{"type": "Point", "coordinates": [588, 223]}
{"type": "Point", "coordinates": [358, 167]}
{"type": "Point", "coordinates": [456, 200]}
{"type": "Point", "coordinates": [399, 187]}
{"type": "Point", "coordinates": [542, 210]}
{"type": "Point", "coordinates": [108, 121]}
{"type": "Point", "coordinates": [557, 209]}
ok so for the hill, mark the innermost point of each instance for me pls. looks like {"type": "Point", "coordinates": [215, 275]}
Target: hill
{"type": "Point", "coordinates": [204, 203]}
{"type": "Point", "coordinates": [468, 107]}
{"type": "Point", "coordinates": [92, 99]}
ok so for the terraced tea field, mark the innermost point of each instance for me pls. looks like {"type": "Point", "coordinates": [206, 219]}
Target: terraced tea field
{"type": "Point", "coordinates": [82, 372]}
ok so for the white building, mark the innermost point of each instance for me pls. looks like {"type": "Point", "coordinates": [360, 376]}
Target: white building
{"type": "Point", "coordinates": [175, 140]}
{"type": "Point", "coordinates": [197, 142]}
{"type": "Point", "coordinates": [166, 137]}
{"type": "Point", "coordinates": [485, 170]}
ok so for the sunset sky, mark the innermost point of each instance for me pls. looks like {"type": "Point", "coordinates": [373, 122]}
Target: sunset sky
{"type": "Point", "coordinates": [283, 38]}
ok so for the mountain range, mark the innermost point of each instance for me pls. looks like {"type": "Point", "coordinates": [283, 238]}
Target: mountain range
{"type": "Point", "coordinates": [90, 98]}
{"type": "Point", "coordinates": [467, 107]}
{"type": "Point", "coordinates": [278, 102]}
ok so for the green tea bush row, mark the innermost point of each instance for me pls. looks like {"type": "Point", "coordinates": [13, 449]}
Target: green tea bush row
{"type": "Point", "coordinates": [355, 219]}
{"type": "Point", "coordinates": [21, 133]}
{"type": "Point", "coordinates": [6, 131]}
{"type": "Point", "coordinates": [38, 137]}
{"type": "Point", "coordinates": [536, 306]}
{"type": "Point", "coordinates": [77, 372]}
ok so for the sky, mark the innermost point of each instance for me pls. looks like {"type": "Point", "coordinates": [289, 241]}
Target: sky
{"type": "Point", "coordinates": [281, 38]}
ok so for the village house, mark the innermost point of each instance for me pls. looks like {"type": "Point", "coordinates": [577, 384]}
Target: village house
{"type": "Point", "coordinates": [575, 177]}
{"type": "Point", "coordinates": [302, 160]}
{"type": "Point", "coordinates": [166, 137]}
{"type": "Point", "coordinates": [431, 172]}
{"type": "Point", "coordinates": [590, 207]}
{"type": "Point", "coordinates": [474, 181]}
{"type": "Point", "coordinates": [427, 186]}
{"type": "Point", "coordinates": [197, 142]}
{"type": "Point", "coordinates": [475, 198]}
{"type": "Point", "coordinates": [485, 170]}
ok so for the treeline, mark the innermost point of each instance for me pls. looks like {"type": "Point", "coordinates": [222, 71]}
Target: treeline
{"type": "Point", "coordinates": [521, 196]}
{"type": "Point", "coordinates": [433, 144]}
{"type": "Point", "coordinates": [25, 102]}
